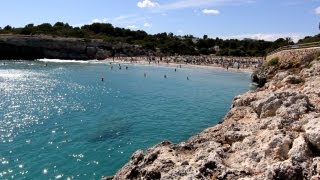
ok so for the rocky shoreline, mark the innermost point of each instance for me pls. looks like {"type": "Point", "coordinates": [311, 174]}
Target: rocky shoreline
{"type": "Point", "coordinates": [31, 47]}
{"type": "Point", "coordinates": [270, 133]}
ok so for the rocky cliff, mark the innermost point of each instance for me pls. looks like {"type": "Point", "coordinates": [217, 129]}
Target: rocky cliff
{"type": "Point", "coordinates": [37, 47]}
{"type": "Point", "coordinates": [270, 133]}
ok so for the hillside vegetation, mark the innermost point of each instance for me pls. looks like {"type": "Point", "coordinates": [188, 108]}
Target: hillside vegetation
{"type": "Point", "coordinates": [166, 43]}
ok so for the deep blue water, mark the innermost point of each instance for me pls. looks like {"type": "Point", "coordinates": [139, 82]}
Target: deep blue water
{"type": "Point", "coordinates": [62, 121]}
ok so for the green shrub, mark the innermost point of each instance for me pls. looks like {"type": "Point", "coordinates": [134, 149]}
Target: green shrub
{"type": "Point", "coordinates": [273, 61]}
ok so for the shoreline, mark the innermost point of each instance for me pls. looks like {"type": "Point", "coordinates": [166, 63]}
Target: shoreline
{"type": "Point", "coordinates": [173, 64]}
{"type": "Point", "coordinates": [269, 133]}
{"type": "Point", "coordinates": [249, 70]}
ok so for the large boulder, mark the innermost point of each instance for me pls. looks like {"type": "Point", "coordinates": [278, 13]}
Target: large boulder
{"type": "Point", "coordinates": [267, 107]}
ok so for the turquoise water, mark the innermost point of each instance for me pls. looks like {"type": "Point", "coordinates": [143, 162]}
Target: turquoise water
{"type": "Point", "coordinates": [62, 121]}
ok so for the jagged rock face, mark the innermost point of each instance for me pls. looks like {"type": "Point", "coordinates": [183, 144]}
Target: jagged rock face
{"type": "Point", "coordinates": [37, 47]}
{"type": "Point", "coordinates": [270, 133]}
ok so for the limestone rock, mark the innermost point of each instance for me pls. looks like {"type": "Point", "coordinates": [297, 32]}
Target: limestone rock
{"type": "Point", "coordinates": [267, 107]}
{"type": "Point", "coordinates": [292, 79]}
{"type": "Point", "coordinates": [137, 157]}
{"type": "Point", "coordinates": [315, 168]}
{"type": "Point", "coordinates": [294, 106]}
{"type": "Point", "coordinates": [300, 150]}
{"type": "Point", "coordinates": [312, 129]}
{"type": "Point", "coordinates": [285, 170]}
{"type": "Point", "coordinates": [314, 70]}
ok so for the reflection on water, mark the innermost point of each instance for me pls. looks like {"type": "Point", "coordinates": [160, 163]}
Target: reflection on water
{"type": "Point", "coordinates": [60, 121]}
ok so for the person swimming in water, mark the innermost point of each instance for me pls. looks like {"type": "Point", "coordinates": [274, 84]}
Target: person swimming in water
{"type": "Point", "coordinates": [175, 70]}
{"type": "Point", "coordinates": [102, 79]}
{"type": "Point", "coordinates": [126, 67]}
{"type": "Point", "coordinates": [165, 76]}
{"type": "Point", "coordinates": [187, 78]}
{"type": "Point", "coordinates": [145, 75]}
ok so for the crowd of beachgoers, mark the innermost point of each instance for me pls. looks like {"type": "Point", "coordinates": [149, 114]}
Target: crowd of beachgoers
{"type": "Point", "coordinates": [218, 61]}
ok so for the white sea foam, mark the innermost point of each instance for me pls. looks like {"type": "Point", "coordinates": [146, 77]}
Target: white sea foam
{"type": "Point", "coordinates": [70, 61]}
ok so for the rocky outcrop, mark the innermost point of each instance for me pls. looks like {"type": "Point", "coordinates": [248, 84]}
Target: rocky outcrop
{"type": "Point", "coordinates": [292, 60]}
{"type": "Point", "coordinates": [294, 55]}
{"type": "Point", "coordinates": [37, 47]}
{"type": "Point", "coordinates": [270, 133]}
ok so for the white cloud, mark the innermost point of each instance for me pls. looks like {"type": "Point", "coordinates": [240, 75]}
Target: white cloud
{"type": "Point", "coordinates": [125, 21]}
{"type": "Point", "coordinates": [132, 27]}
{"type": "Point", "coordinates": [268, 37]}
{"type": "Point", "coordinates": [183, 4]}
{"type": "Point", "coordinates": [121, 21]}
{"type": "Point", "coordinates": [147, 4]}
{"type": "Point", "coordinates": [317, 10]}
{"type": "Point", "coordinates": [147, 25]}
{"type": "Point", "coordinates": [104, 20]}
{"type": "Point", "coordinates": [211, 11]}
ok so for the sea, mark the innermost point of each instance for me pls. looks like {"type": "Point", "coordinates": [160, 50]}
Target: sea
{"type": "Point", "coordinates": [84, 119]}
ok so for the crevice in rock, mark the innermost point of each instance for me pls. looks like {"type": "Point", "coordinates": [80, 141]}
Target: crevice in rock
{"type": "Point", "coordinates": [315, 152]}
{"type": "Point", "coordinates": [134, 174]}
{"type": "Point", "coordinates": [208, 168]}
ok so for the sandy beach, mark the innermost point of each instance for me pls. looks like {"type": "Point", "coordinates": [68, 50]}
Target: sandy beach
{"type": "Point", "coordinates": [249, 70]}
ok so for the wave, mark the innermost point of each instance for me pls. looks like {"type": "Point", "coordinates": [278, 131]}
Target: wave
{"type": "Point", "coordinates": [71, 61]}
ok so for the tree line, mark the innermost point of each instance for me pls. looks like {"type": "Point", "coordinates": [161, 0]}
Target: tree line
{"type": "Point", "coordinates": [166, 43]}
{"type": "Point", "coordinates": [310, 39]}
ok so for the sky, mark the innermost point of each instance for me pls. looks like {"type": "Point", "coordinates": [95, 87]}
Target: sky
{"type": "Point", "coordinates": [257, 19]}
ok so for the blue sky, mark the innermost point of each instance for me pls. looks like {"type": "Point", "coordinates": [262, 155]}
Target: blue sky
{"type": "Point", "coordinates": [260, 19]}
